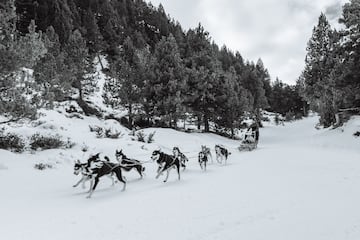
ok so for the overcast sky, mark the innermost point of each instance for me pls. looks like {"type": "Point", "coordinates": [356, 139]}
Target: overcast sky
{"type": "Point", "coordinates": [276, 31]}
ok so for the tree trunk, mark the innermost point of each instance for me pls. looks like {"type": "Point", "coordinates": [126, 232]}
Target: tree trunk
{"type": "Point", "coordinates": [305, 109]}
{"type": "Point", "coordinates": [170, 120]}
{"type": "Point", "coordinates": [232, 132]}
{"type": "Point", "coordinates": [175, 122]}
{"type": "Point", "coordinates": [130, 117]}
{"type": "Point", "coordinates": [88, 110]}
{"type": "Point", "coordinates": [206, 123]}
{"type": "Point", "coordinates": [258, 117]}
{"type": "Point", "coordinates": [102, 66]}
{"type": "Point", "coordinates": [199, 122]}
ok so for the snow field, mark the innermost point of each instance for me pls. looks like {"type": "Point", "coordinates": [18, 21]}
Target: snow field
{"type": "Point", "coordinates": [300, 183]}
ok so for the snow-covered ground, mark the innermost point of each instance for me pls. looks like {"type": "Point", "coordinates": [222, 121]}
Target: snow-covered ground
{"type": "Point", "coordinates": [300, 184]}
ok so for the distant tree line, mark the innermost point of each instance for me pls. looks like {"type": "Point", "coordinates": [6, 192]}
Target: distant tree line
{"type": "Point", "coordinates": [158, 71]}
{"type": "Point", "coordinates": [330, 81]}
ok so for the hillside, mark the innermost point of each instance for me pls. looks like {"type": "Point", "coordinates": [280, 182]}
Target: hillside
{"type": "Point", "coordinates": [301, 183]}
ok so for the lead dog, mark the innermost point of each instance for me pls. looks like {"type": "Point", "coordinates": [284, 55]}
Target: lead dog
{"type": "Point", "coordinates": [85, 173]}
{"type": "Point", "coordinates": [221, 153]}
{"type": "Point", "coordinates": [127, 164]}
{"type": "Point", "coordinates": [85, 170]}
{"type": "Point", "coordinates": [166, 163]}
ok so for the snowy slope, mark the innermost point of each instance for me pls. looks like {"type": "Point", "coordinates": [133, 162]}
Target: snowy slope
{"type": "Point", "coordinates": [301, 183]}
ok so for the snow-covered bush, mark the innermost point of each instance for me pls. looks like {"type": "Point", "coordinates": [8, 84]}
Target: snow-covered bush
{"type": "Point", "coordinates": [140, 135]}
{"type": "Point", "coordinates": [12, 142]}
{"type": "Point", "coordinates": [38, 141]}
{"type": "Point", "coordinates": [109, 133]}
{"type": "Point", "coordinates": [150, 138]}
{"type": "Point", "coordinates": [102, 132]}
{"type": "Point", "coordinates": [43, 166]}
{"type": "Point", "coordinates": [289, 116]}
{"type": "Point", "coordinates": [69, 144]}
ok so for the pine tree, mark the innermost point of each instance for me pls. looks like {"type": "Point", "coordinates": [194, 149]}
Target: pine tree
{"type": "Point", "coordinates": [349, 83]}
{"type": "Point", "coordinates": [203, 71]}
{"type": "Point", "coordinates": [26, 11]}
{"type": "Point", "coordinates": [265, 78]}
{"type": "Point", "coordinates": [80, 65]}
{"type": "Point", "coordinates": [17, 53]}
{"type": "Point", "coordinates": [168, 86]}
{"type": "Point", "coordinates": [51, 72]}
{"type": "Point", "coordinates": [59, 15]}
{"type": "Point", "coordinates": [231, 102]}
{"type": "Point", "coordinates": [252, 80]}
{"type": "Point", "coordinates": [318, 89]}
{"type": "Point", "coordinates": [92, 33]}
{"type": "Point", "coordinates": [125, 84]}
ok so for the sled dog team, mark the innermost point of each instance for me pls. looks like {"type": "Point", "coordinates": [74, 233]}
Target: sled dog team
{"type": "Point", "coordinates": [95, 168]}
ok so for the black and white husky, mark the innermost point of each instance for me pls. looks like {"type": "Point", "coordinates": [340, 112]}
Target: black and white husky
{"type": "Point", "coordinates": [85, 170]}
{"type": "Point", "coordinates": [166, 163]}
{"type": "Point", "coordinates": [179, 155]}
{"type": "Point", "coordinates": [82, 168]}
{"type": "Point", "coordinates": [127, 164]}
{"type": "Point", "coordinates": [94, 169]}
{"type": "Point", "coordinates": [203, 159]}
{"type": "Point", "coordinates": [104, 169]}
{"type": "Point", "coordinates": [206, 150]}
{"type": "Point", "coordinates": [95, 161]}
{"type": "Point", "coordinates": [221, 153]}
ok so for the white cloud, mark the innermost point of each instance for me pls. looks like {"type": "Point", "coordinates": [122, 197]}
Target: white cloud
{"type": "Point", "coordinates": [275, 30]}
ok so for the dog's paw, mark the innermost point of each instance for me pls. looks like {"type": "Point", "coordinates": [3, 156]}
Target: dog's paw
{"type": "Point", "coordinates": [74, 185]}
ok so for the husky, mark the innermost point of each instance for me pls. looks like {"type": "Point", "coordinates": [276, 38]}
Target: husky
{"type": "Point", "coordinates": [85, 173]}
{"type": "Point", "coordinates": [166, 163]}
{"type": "Point", "coordinates": [127, 164]}
{"type": "Point", "coordinates": [106, 168]}
{"type": "Point", "coordinates": [182, 158]}
{"type": "Point", "coordinates": [95, 161]}
{"type": "Point", "coordinates": [203, 159]}
{"type": "Point", "coordinates": [85, 170]}
{"type": "Point", "coordinates": [206, 150]}
{"type": "Point", "coordinates": [221, 153]}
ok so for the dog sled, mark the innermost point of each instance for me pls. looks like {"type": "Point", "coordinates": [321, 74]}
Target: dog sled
{"type": "Point", "coordinates": [251, 139]}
